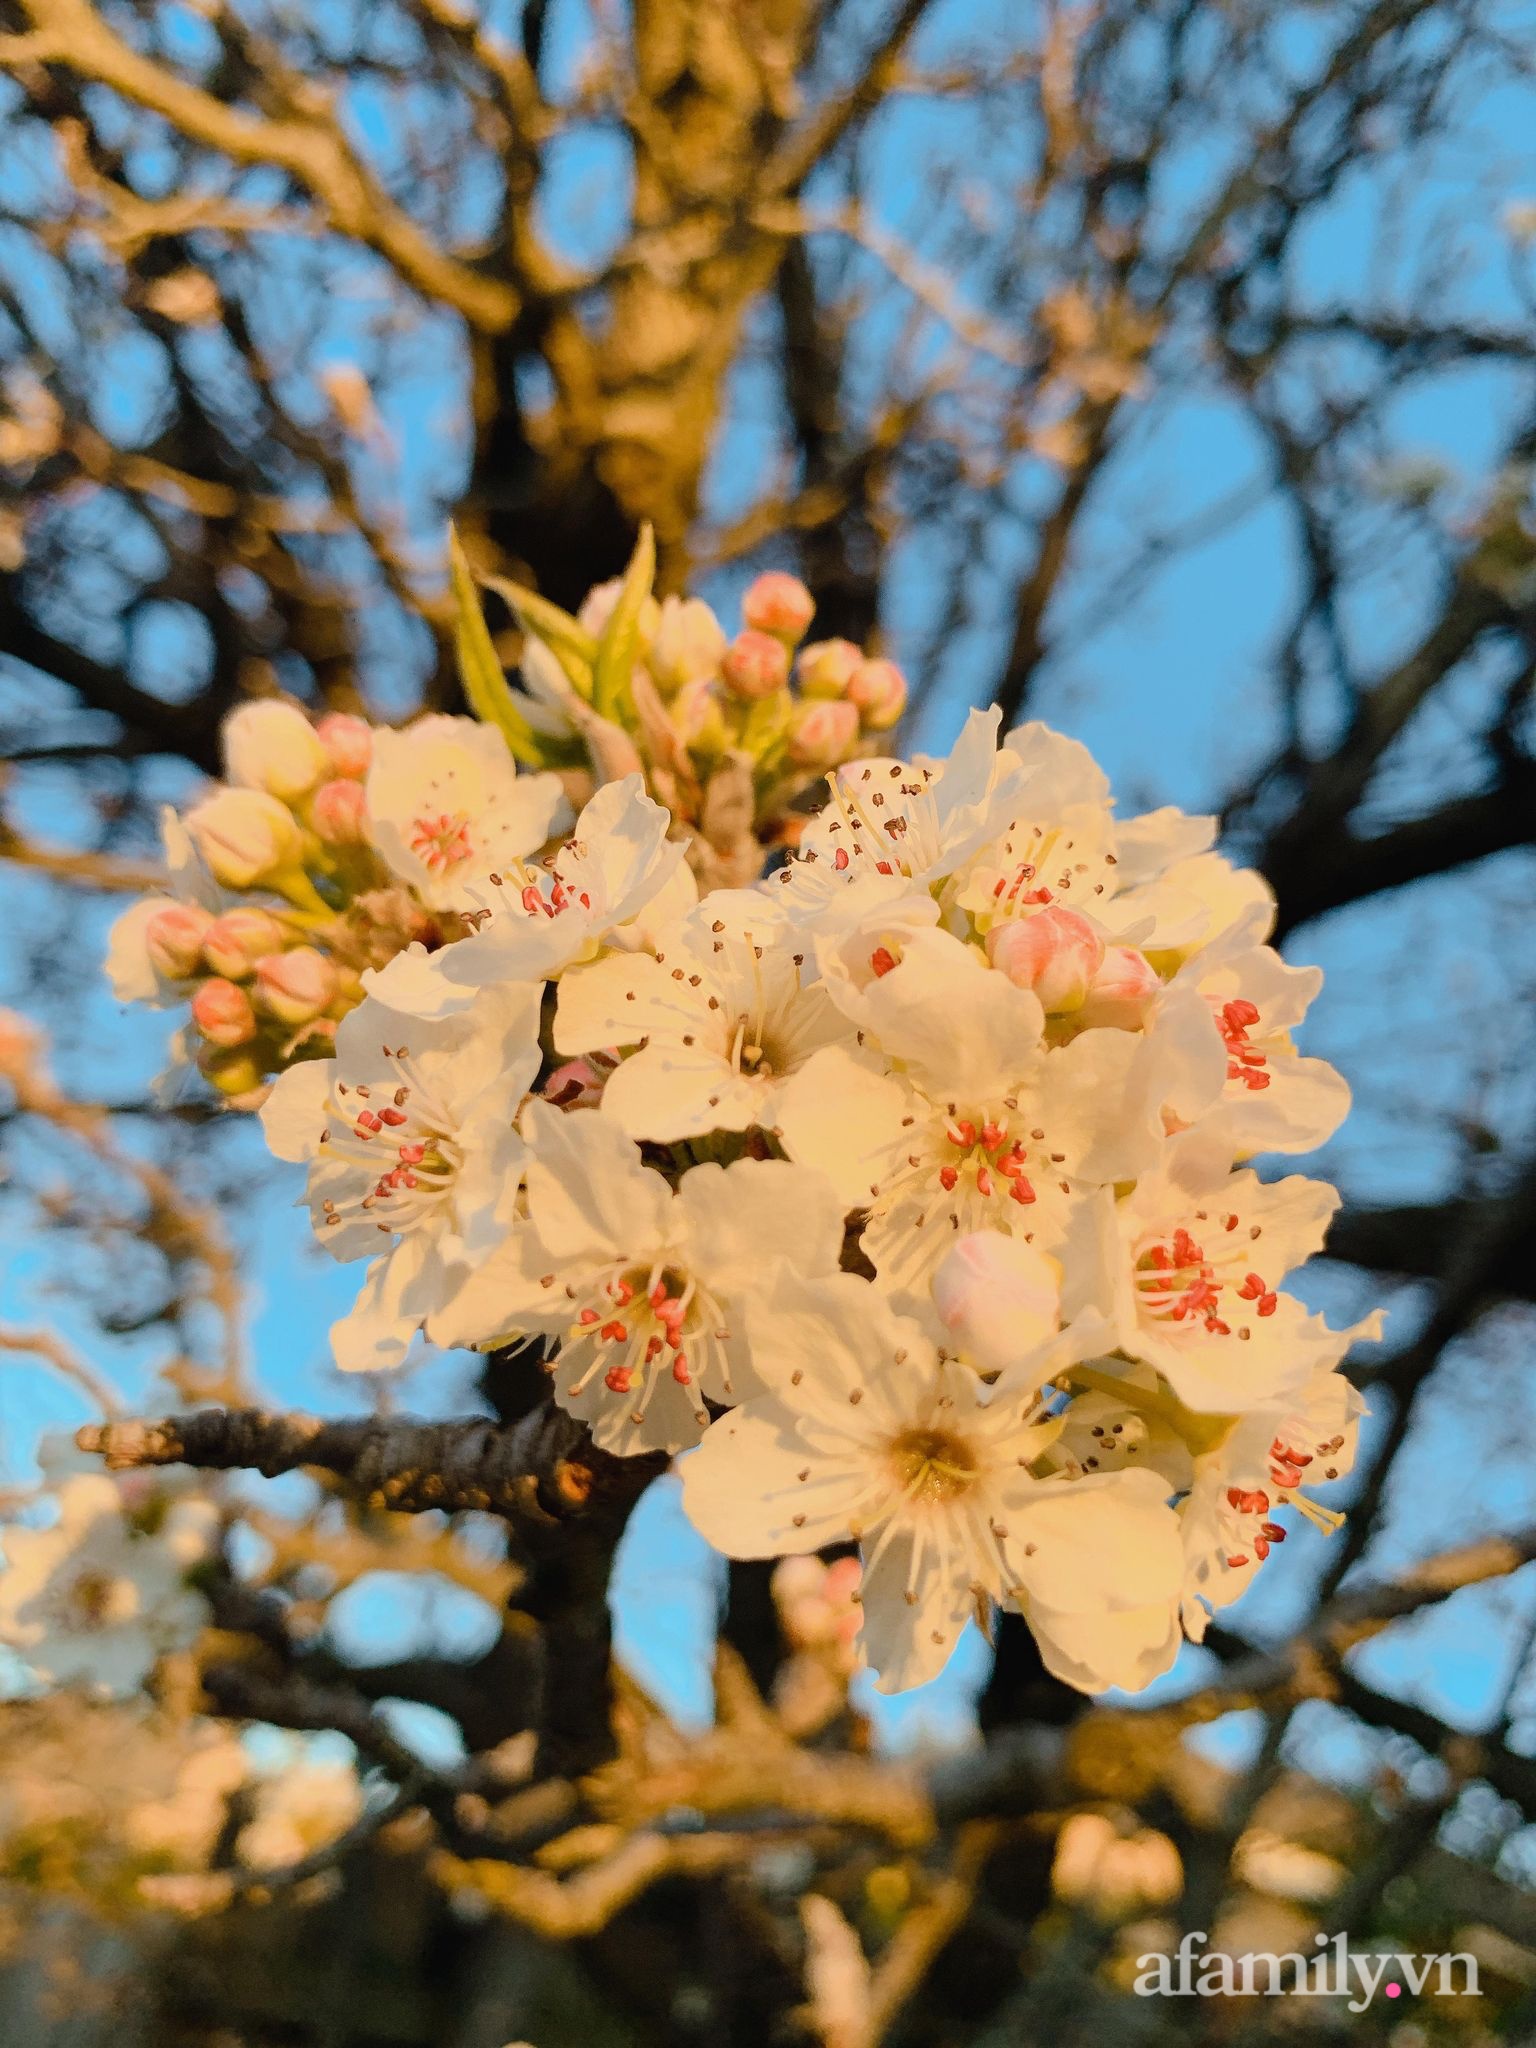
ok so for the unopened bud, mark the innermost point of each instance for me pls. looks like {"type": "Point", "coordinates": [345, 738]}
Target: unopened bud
{"type": "Point", "coordinates": [222, 1012]}
{"type": "Point", "coordinates": [998, 1297]}
{"type": "Point", "coordinates": [271, 745]}
{"type": "Point", "coordinates": [698, 717]}
{"type": "Point", "coordinates": [296, 986]}
{"type": "Point", "coordinates": [687, 645]}
{"type": "Point", "coordinates": [780, 604]}
{"type": "Point", "coordinates": [880, 690]}
{"type": "Point", "coordinates": [339, 813]}
{"type": "Point", "coordinates": [597, 609]}
{"type": "Point", "coordinates": [348, 743]}
{"type": "Point", "coordinates": [1055, 952]}
{"type": "Point", "coordinates": [173, 938]}
{"type": "Point", "coordinates": [233, 943]}
{"type": "Point", "coordinates": [755, 665]}
{"type": "Point", "coordinates": [244, 835]}
{"type": "Point", "coordinates": [1123, 991]}
{"type": "Point", "coordinates": [825, 667]}
{"type": "Point", "coordinates": [236, 1071]}
{"type": "Point", "coordinates": [821, 732]}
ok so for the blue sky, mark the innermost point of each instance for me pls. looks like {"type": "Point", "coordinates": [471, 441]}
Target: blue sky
{"type": "Point", "coordinates": [1170, 687]}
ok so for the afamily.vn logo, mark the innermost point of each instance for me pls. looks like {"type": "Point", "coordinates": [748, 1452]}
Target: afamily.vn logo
{"type": "Point", "coordinates": [1339, 1972]}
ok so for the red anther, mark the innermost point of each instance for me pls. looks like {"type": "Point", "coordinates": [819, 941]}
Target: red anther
{"type": "Point", "coordinates": [622, 1293]}
{"type": "Point", "coordinates": [983, 1181]}
{"type": "Point", "coordinates": [1021, 1191]}
{"type": "Point", "coordinates": [1185, 1251]}
{"type": "Point", "coordinates": [618, 1379]}
{"type": "Point", "coordinates": [1261, 1548]}
{"type": "Point", "coordinates": [1236, 1561]}
{"type": "Point", "coordinates": [412, 1155]}
{"type": "Point", "coordinates": [947, 1178]}
{"type": "Point", "coordinates": [680, 1371]}
{"type": "Point", "coordinates": [962, 1133]}
{"type": "Point", "coordinates": [531, 900]}
{"type": "Point", "coordinates": [1160, 1257]}
{"type": "Point", "coordinates": [586, 900]}
{"type": "Point", "coordinates": [651, 1349]}
{"type": "Point", "coordinates": [393, 1117]}
{"type": "Point", "coordinates": [1252, 1288]}
{"type": "Point", "coordinates": [883, 867]}
{"type": "Point", "coordinates": [1012, 1163]}
{"type": "Point", "coordinates": [992, 1135]}
{"type": "Point", "coordinates": [1217, 1327]}
{"type": "Point", "coordinates": [1269, 1304]}
{"type": "Point", "coordinates": [369, 1122]}
{"type": "Point", "coordinates": [1253, 1079]}
{"type": "Point", "coordinates": [615, 1332]}
{"type": "Point", "coordinates": [658, 1294]}
{"type": "Point", "coordinates": [588, 1315]}
{"type": "Point", "coordinates": [1240, 1013]}
{"type": "Point", "coordinates": [840, 859]}
{"type": "Point", "coordinates": [999, 885]}
{"type": "Point", "coordinates": [1236, 1498]}
{"type": "Point", "coordinates": [1274, 1532]}
{"type": "Point", "coordinates": [882, 960]}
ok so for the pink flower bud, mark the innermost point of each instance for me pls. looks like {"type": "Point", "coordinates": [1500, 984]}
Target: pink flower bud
{"type": "Point", "coordinates": [244, 835]}
{"type": "Point", "coordinates": [271, 745]}
{"type": "Point", "coordinates": [295, 986]}
{"type": "Point", "coordinates": [339, 813]}
{"type": "Point", "coordinates": [755, 665]}
{"type": "Point", "coordinates": [233, 943]}
{"type": "Point", "coordinates": [779, 604]}
{"type": "Point", "coordinates": [998, 1297]}
{"type": "Point", "coordinates": [1123, 991]}
{"type": "Point", "coordinates": [687, 645]}
{"type": "Point", "coordinates": [223, 1013]}
{"type": "Point", "coordinates": [880, 690]}
{"type": "Point", "coordinates": [348, 742]}
{"type": "Point", "coordinates": [1055, 952]}
{"type": "Point", "coordinates": [824, 668]}
{"type": "Point", "coordinates": [821, 732]}
{"type": "Point", "coordinates": [173, 938]}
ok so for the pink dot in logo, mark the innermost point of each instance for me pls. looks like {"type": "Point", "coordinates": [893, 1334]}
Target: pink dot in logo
{"type": "Point", "coordinates": [1394, 1990]}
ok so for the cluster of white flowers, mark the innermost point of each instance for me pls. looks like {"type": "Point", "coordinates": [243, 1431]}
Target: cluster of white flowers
{"type": "Point", "coordinates": [902, 1190]}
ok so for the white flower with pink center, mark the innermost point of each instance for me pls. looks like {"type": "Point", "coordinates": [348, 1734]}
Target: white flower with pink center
{"type": "Point", "coordinates": [1268, 1461]}
{"type": "Point", "coordinates": [1190, 1265]}
{"type": "Point", "coordinates": [868, 1432]}
{"type": "Point", "coordinates": [410, 1137]}
{"type": "Point", "coordinates": [447, 807]}
{"type": "Point", "coordinates": [723, 1013]}
{"type": "Point", "coordinates": [1271, 1098]}
{"type": "Point", "coordinates": [642, 1284]}
{"type": "Point", "coordinates": [532, 919]}
{"type": "Point", "coordinates": [976, 1124]}
{"type": "Point", "coordinates": [1063, 850]}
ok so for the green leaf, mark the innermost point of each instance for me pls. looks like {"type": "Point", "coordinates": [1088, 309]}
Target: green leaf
{"type": "Point", "coordinates": [620, 644]}
{"type": "Point", "coordinates": [566, 638]}
{"type": "Point", "coordinates": [486, 689]}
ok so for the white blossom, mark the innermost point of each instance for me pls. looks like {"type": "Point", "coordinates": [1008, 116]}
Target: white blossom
{"type": "Point", "coordinates": [410, 1137]}
{"type": "Point", "coordinates": [720, 1015]}
{"type": "Point", "coordinates": [868, 1431]}
{"type": "Point", "coordinates": [618, 867]}
{"type": "Point", "coordinates": [101, 1595]}
{"type": "Point", "coordinates": [447, 807]}
{"type": "Point", "coordinates": [642, 1283]}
